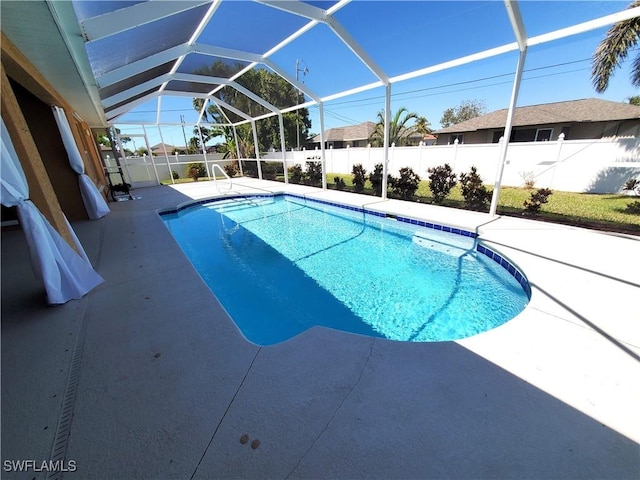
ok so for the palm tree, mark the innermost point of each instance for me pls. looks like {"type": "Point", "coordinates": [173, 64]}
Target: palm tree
{"type": "Point", "coordinates": [423, 126]}
{"type": "Point", "coordinates": [398, 128]}
{"type": "Point", "coordinates": [619, 41]}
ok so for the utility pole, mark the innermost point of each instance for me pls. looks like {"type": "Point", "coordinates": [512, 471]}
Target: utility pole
{"type": "Point", "coordinates": [184, 134]}
{"type": "Point", "coordinates": [304, 71]}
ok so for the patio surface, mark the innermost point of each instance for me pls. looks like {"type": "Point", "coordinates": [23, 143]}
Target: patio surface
{"type": "Point", "coordinates": [147, 377]}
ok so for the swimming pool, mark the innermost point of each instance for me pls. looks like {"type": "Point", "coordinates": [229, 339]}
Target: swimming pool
{"type": "Point", "coordinates": [281, 264]}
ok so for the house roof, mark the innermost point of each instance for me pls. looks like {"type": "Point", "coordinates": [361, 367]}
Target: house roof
{"type": "Point", "coordinates": [170, 148]}
{"type": "Point", "coordinates": [349, 133]}
{"type": "Point", "coordinates": [584, 110]}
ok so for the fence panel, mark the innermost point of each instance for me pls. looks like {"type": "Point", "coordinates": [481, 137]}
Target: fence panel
{"type": "Point", "coordinates": [595, 166]}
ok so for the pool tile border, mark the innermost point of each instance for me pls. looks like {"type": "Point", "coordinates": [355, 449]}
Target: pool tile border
{"type": "Point", "coordinates": [483, 249]}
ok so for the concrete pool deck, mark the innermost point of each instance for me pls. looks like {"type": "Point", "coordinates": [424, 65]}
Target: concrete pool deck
{"type": "Point", "coordinates": [147, 377]}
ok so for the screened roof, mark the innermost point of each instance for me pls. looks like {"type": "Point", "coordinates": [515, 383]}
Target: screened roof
{"type": "Point", "coordinates": [148, 56]}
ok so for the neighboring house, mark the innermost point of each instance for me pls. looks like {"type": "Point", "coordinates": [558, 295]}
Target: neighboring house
{"type": "Point", "coordinates": [160, 148]}
{"type": "Point", "coordinates": [358, 136]}
{"type": "Point", "coordinates": [341, 137]}
{"type": "Point", "coordinates": [429, 139]}
{"type": "Point", "coordinates": [577, 119]}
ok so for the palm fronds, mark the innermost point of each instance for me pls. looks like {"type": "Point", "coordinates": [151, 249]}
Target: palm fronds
{"type": "Point", "coordinates": [614, 49]}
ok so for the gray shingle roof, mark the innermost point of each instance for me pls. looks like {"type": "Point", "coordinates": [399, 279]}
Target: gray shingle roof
{"type": "Point", "coordinates": [585, 110]}
{"type": "Point", "coordinates": [350, 133]}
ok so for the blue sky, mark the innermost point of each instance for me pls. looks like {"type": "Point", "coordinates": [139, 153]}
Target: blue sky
{"type": "Point", "coordinates": [405, 36]}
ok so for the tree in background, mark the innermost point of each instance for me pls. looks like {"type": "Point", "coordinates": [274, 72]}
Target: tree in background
{"type": "Point", "coordinates": [271, 88]}
{"type": "Point", "coordinates": [399, 128]}
{"type": "Point", "coordinates": [635, 100]}
{"type": "Point", "coordinates": [467, 110]}
{"type": "Point", "coordinates": [621, 38]}
{"type": "Point", "coordinates": [423, 126]}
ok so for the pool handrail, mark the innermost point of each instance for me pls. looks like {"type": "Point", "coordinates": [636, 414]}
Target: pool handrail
{"type": "Point", "coordinates": [215, 180]}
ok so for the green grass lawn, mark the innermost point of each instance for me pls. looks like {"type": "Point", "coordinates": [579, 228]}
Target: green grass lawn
{"type": "Point", "coordinates": [599, 211]}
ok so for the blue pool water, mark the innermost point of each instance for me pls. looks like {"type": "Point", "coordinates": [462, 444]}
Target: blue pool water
{"type": "Point", "coordinates": [282, 264]}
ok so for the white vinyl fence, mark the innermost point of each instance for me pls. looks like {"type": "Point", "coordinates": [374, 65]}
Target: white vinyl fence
{"type": "Point", "coordinates": [151, 170]}
{"type": "Point", "coordinates": [594, 166]}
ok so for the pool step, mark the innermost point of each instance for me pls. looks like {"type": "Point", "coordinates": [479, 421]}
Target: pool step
{"type": "Point", "coordinates": [234, 204]}
{"type": "Point", "coordinates": [443, 243]}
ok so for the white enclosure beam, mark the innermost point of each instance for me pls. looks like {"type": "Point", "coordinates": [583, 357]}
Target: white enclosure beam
{"type": "Point", "coordinates": [322, 147]}
{"type": "Point", "coordinates": [515, 18]}
{"type": "Point", "coordinates": [352, 91]}
{"type": "Point", "coordinates": [299, 85]}
{"type": "Point", "coordinates": [256, 147]}
{"type": "Point", "coordinates": [196, 34]}
{"type": "Point", "coordinates": [283, 148]}
{"type": "Point", "coordinates": [221, 103]}
{"type": "Point", "coordinates": [121, 110]}
{"type": "Point", "coordinates": [492, 52]}
{"type": "Point", "coordinates": [123, 19]}
{"type": "Point", "coordinates": [507, 132]}
{"type": "Point", "coordinates": [235, 136]}
{"type": "Point", "coordinates": [585, 26]}
{"type": "Point", "coordinates": [309, 11]}
{"type": "Point", "coordinates": [223, 81]}
{"type": "Point", "coordinates": [358, 51]}
{"type": "Point", "coordinates": [137, 90]}
{"type": "Point", "coordinates": [521, 36]}
{"type": "Point", "coordinates": [141, 66]}
{"type": "Point", "coordinates": [387, 119]}
{"type": "Point", "coordinates": [223, 52]}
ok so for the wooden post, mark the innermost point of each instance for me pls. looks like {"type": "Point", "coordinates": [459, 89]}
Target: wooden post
{"type": "Point", "coordinates": [41, 191]}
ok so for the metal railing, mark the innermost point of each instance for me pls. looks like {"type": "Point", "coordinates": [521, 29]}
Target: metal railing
{"type": "Point", "coordinates": [215, 179]}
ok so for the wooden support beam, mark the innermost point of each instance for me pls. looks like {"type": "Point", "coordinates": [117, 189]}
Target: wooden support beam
{"type": "Point", "coordinates": [41, 191]}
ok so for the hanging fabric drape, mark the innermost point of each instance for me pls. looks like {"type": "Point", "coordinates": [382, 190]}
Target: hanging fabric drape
{"type": "Point", "coordinates": [93, 202]}
{"type": "Point", "coordinates": [66, 274]}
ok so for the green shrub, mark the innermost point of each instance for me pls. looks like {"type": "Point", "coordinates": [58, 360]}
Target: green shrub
{"type": "Point", "coordinates": [231, 169]}
{"type": "Point", "coordinates": [533, 204]}
{"type": "Point", "coordinates": [339, 183]}
{"type": "Point", "coordinates": [270, 170]}
{"type": "Point", "coordinates": [175, 175]}
{"type": "Point", "coordinates": [359, 177]}
{"type": "Point", "coordinates": [475, 194]}
{"type": "Point", "coordinates": [441, 181]}
{"type": "Point", "coordinates": [295, 173]}
{"type": "Point", "coordinates": [375, 178]}
{"type": "Point", "coordinates": [250, 168]}
{"type": "Point", "coordinates": [406, 185]}
{"type": "Point", "coordinates": [196, 170]}
{"type": "Point", "coordinates": [633, 207]}
{"type": "Point", "coordinates": [313, 175]}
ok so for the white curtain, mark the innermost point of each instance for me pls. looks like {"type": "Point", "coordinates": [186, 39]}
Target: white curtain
{"type": "Point", "coordinates": [66, 274]}
{"type": "Point", "coordinates": [93, 202]}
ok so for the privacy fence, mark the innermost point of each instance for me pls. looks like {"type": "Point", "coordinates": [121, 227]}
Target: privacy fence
{"type": "Point", "coordinates": [594, 166]}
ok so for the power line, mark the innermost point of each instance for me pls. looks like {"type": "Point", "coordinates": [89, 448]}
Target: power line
{"type": "Point", "coordinates": [466, 82]}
